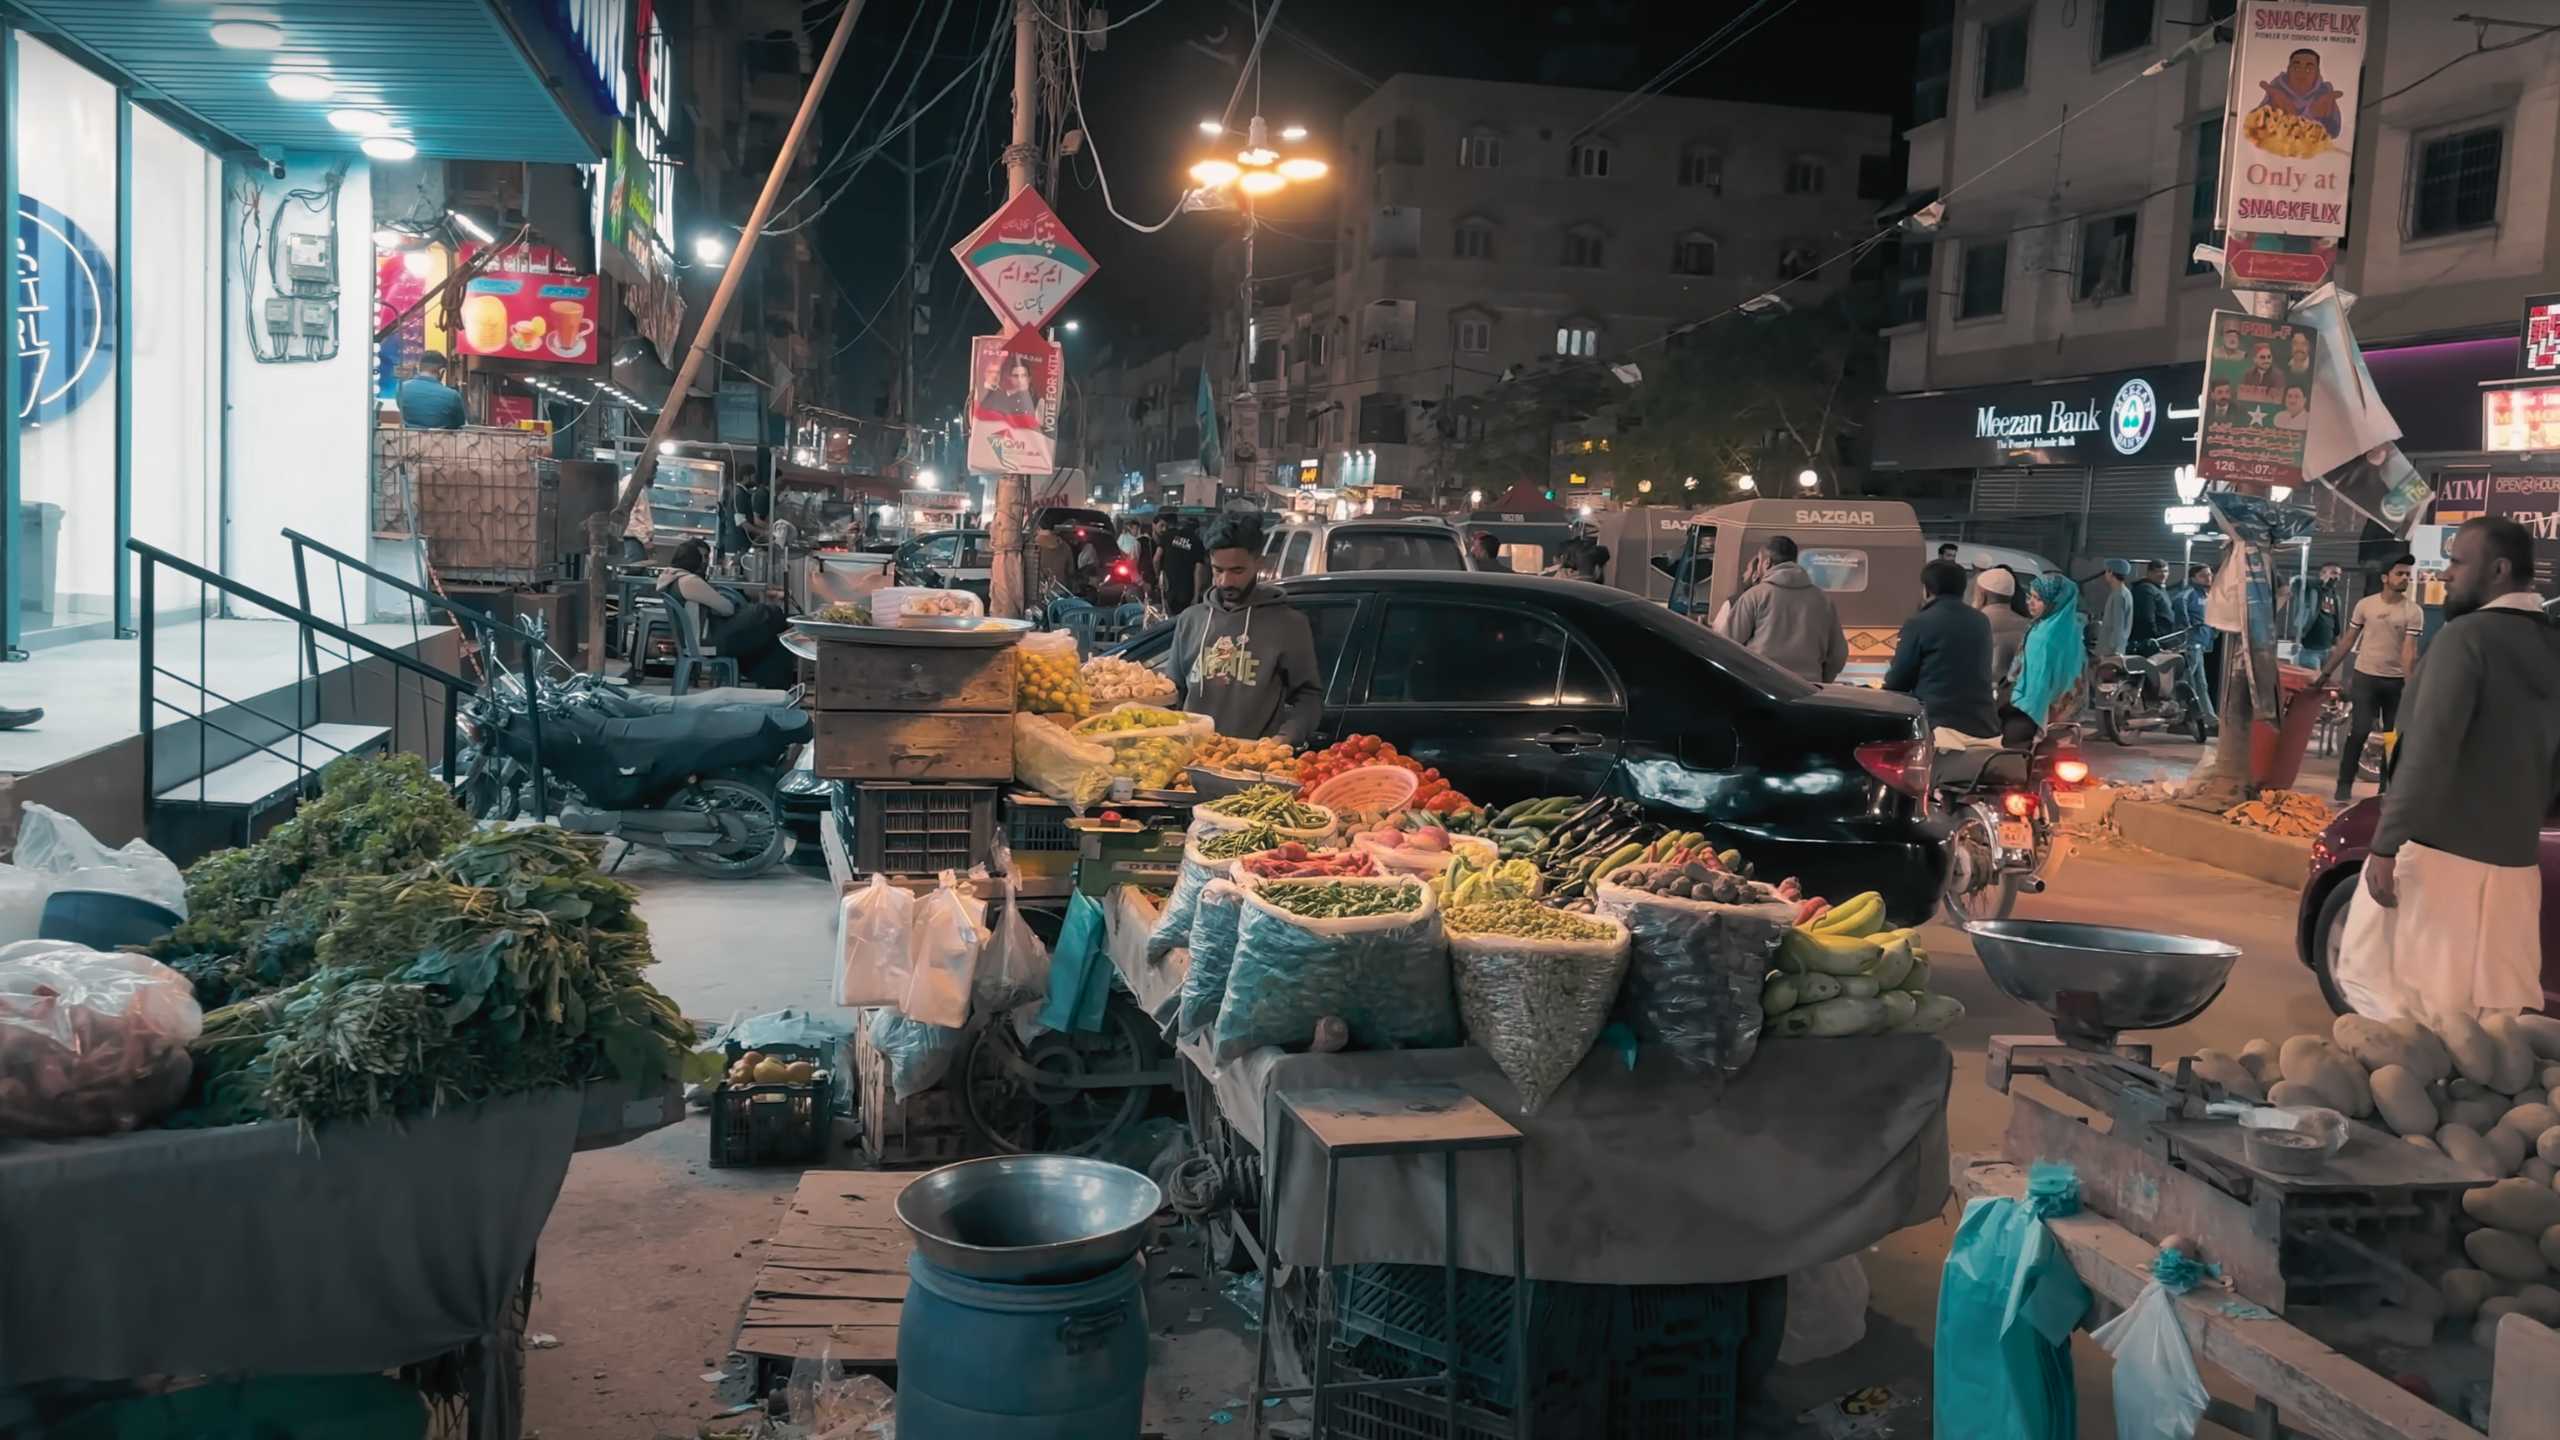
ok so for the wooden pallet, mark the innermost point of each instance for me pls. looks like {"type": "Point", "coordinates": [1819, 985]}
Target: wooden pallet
{"type": "Point", "coordinates": [835, 1278]}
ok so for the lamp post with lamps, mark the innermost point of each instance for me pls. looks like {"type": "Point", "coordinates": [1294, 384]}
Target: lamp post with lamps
{"type": "Point", "coordinates": [1257, 172]}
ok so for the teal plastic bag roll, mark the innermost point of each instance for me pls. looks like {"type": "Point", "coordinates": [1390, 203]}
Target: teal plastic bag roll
{"type": "Point", "coordinates": [2007, 1304]}
{"type": "Point", "coordinates": [1078, 953]}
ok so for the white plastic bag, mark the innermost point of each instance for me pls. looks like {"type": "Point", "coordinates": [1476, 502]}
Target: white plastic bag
{"type": "Point", "coordinates": [2159, 1396]}
{"type": "Point", "coordinates": [944, 938]}
{"type": "Point", "coordinates": [22, 897]}
{"type": "Point", "coordinates": [90, 1043]}
{"type": "Point", "coordinates": [871, 944]}
{"type": "Point", "coordinates": [61, 850]}
{"type": "Point", "coordinates": [1826, 1311]}
{"type": "Point", "coordinates": [1075, 773]}
{"type": "Point", "coordinates": [1014, 969]}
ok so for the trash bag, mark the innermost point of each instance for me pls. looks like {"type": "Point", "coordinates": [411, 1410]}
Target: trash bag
{"type": "Point", "coordinates": [1826, 1311]}
{"type": "Point", "coordinates": [1075, 773]}
{"type": "Point", "coordinates": [1385, 976]}
{"type": "Point", "coordinates": [2007, 1304]}
{"type": "Point", "coordinates": [2159, 1395]}
{"type": "Point", "coordinates": [1536, 1005]}
{"type": "Point", "coordinates": [1693, 973]}
{"type": "Point", "coordinates": [62, 851]}
{"type": "Point", "coordinates": [918, 1054]}
{"type": "Point", "coordinates": [829, 1402]}
{"type": "Point", "coordinates": [1014, 968]}
{"type": "Point", "coordinates": [1071, 964]}
{"type": "Point", "coordinates": [1213, 954]}
{"type": "Point", "coordinates": [944, 938]}
{"type": "Point", "coordinates": [871, 944]}
{"type": "Point", "coordinates": [90, 1043]}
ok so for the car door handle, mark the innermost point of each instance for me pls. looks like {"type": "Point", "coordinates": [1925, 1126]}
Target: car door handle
{"type": "Point", "coordinates": [1567, 740]}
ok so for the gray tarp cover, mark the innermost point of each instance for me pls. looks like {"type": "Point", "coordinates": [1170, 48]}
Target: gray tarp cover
{"type": "Point", "coordinates": [259, 1249]}
{"type": "Point", "coordinates": [1817, 1149]}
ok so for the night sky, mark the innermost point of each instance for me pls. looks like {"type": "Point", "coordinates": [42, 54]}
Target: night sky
{"type": "Point", "coordinates": [1163, 72]}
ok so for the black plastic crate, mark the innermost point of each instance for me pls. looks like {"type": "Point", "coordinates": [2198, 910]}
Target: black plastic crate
{"type": "Point", "coordinates": [782, 1123]}
{"type": "Point", "coordinates": [1031, 826]}
{"type": "Point", "coordinates": [922, 829]}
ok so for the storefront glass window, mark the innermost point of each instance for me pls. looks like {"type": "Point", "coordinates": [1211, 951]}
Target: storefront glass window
{"type": "Point", "coordinates": [67, 290]}
{"type": "Point", "coordinates": [173, 289]}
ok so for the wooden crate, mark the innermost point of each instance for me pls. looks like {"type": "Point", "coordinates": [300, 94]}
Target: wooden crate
{"type": "Point", "coordinates": [914, 678]}
{"type": "Point", "coordinates": [890, 745]}
{"type": "Point", "coordinates": [922, 1129]}
{"type": "Point", "coordinates": [487, 501]}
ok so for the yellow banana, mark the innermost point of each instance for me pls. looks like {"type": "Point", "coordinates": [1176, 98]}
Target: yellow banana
{"type": "Point", "coordinates": [1837, 954]}
{"type": "Point", "coordinates": [1862, 915]}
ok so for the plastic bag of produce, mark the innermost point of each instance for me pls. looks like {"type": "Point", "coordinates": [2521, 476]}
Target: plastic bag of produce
{"type": "Point", "coordinates": [2159, 1395]}
{"type": "Point", "coordinates": [68, 857]}
{"type": "Point", "coordinates": [90, 1043]}
{"type": "Point", "coordinates": [1148, 743]}
{"type": "Point", "coordinates": [1693, 973]}
{"type": "Point", "coordinates": [1014, 968]}
{"type": "Point", "coordinates": [871, 944]}
{"type": "Point", "coordinates": [944, 939]}
{"type": "Point", "coordinates": [1075, 773]}
{"type": "Point", "coordinates": [1370, 952]}
{"type": "Point", "coordinates": [1050, 678]}
{"type": "Point", "coordinates": [1213, 955]}
{"type": "Point", "coordinates": [1826, 1311]}
{"type": "Point", "coordinates": [1534, 987]}
{"type": "Point", "coordinates": [1270, 805]}
{"type": "Point", "coordinates": [22, 896]}
{"type": "Point", "coordinates": [918, 1054]}
{"type": "Point", "coordinates": [1199, 867]}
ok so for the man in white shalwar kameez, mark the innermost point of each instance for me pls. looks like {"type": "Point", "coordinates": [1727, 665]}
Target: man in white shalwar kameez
{"type": "Point", "coordinates": [2448, 919]}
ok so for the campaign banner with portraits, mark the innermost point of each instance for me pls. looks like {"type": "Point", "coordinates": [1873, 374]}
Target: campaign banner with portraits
{"type": "Point", "coordinates": [2257, 401]}
{"type": "Point", "coordinates": [1014, 385]}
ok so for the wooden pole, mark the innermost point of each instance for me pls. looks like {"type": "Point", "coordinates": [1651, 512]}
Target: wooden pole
{"type": "Point", "coordinates": [602, 529]}
{"type": "Point", "coordinates": [1007, 592]}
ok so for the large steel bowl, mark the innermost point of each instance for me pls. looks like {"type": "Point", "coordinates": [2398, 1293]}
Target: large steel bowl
{"type": "Point", "coordinates": [1029, 1219]}
{"type": "Point", "coordinates": [2098, 980]}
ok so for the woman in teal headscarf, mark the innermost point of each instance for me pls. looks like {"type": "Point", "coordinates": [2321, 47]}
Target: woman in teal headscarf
{"type": "Point", "coordinates": [2045, 685]}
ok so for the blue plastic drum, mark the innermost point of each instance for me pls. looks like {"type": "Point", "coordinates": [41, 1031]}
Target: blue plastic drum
{"type": "Point", "coordinates": [980, 1360]}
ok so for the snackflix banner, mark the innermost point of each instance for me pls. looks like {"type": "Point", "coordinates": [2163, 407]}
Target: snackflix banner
{"type": "Point", "coordinates": [2288, 132]}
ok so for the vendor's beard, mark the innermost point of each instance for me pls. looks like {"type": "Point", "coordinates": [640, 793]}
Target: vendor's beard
{"type": "Point", "coordinates": [1232, 596]}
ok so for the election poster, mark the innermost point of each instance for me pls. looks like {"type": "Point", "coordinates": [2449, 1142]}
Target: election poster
{"type": "Point", "coordinates": [1015, 382]}
{"type": "Point", "coordinates": [2384, 487]}
{"type": "Point", "coordinates": [2257, 401]}
{"type": "Point", "coordinates": [2289, 128]}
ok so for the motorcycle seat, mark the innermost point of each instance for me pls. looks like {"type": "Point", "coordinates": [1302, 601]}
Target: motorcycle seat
{"type": "Point", "coordinates": [1972, 768]}
{"type": "Point", "coordinates": [716, 728]}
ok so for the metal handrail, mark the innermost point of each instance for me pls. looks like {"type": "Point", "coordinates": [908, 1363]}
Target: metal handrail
{"type": "Point", "coordinates": [479, 617]}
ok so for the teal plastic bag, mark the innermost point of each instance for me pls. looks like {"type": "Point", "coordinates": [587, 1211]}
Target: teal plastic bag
{"type": "Point", "coordinates": [2007, 1304]}
{"type": "Point", "coordinates": [1072, 966]}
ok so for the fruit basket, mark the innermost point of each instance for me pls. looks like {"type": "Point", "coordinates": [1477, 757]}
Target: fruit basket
{"type": "Point", "coordinates": [1368, 790]}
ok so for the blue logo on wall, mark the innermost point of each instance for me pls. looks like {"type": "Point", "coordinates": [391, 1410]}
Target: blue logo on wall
{"type": "Point", "coordinates": [66, 313]}
{"type": "Point", "coordinates": [2130, 419]}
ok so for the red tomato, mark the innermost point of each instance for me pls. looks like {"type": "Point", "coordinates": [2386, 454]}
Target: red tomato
{"type": "Point", "coordinates": [1111, 817]}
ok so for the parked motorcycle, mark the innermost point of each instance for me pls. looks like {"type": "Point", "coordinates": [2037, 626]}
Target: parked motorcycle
{"type": "Point", "coordinates": [698, 777]}
{"type": "Point", "coordinates": [2133, 693]}
{"type": "Point", "coordinates": [2004, 820]}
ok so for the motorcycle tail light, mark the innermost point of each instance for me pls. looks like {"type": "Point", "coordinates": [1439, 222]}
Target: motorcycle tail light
{"type": "Point", "coordinates": [2019, 803]}
{"type": "Point", "coordinates": [2071, 770]}
{"type": "Point", "coordinates": [1901, 764]}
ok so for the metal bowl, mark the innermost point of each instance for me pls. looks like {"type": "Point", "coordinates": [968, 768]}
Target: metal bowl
{"type": "Point", "coordinates": [2097, 980]}
{"type": "Point", "coordinates": [1029, 1219]}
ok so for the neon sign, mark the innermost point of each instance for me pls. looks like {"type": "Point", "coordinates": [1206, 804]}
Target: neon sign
{"type": "Point", "coordinates": [66, 299]}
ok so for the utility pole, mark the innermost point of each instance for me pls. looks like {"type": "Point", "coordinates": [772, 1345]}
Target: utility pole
{"type": "Point", "coordinates": [1008, 594]}
{"type": "Point", "coordinates": [907, 348]}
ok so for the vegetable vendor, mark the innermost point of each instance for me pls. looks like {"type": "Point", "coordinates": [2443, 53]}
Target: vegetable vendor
{"type": "Point", "coordinates": [1243, 656]}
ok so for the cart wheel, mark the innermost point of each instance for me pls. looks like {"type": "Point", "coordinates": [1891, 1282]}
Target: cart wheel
{"type": "Point", "coordinates": [1015, 1115]}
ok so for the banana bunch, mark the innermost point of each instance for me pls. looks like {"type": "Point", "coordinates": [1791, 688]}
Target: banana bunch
{"type": "Point", "coordinates": [1463, 883]}
{"type": "Point", "coordinates": [1844, 974]}
{"type": "Point", "coordinates": [1850, 939]}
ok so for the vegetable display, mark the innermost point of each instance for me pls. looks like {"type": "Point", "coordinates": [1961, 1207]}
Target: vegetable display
{"type": "Point", "coordinates": [1110, 679]}
{"type": "Point", "coordinates": [1244, 840]}
{"type": "Point", "coordinates": [1316, 767]}
{"type": "Point", "coordinates": [1526, 919]}
{"type": "Point", "coordinates": [1124, 719]}
{"type": "Point", "coordinates": [1331, 900]}
{"type": "Point", "coordinates": [843, 612]}
{"type": "Point", "coordinates": [1250, 757]}
{"type": "Point", "coordinates": [757, 1068]}
{"type": "Point", "coordinates": [1840, 974]}
{"type": "Point", "coordinates": [1294, 861]}
{"type": "Point", "coordinates": [1270, 805]}
{"type": "Point", "coordinates": [1466, 883]}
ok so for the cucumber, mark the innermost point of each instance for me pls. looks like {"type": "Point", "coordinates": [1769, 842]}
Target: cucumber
{"type": "Point", "coordinates": [1778, 994]}
{"type": "Point", "coordinates": [1624, 855]}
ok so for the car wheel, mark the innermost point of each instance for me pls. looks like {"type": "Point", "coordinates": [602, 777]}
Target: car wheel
{"type": "Point", "coordinates": [2328, 933]}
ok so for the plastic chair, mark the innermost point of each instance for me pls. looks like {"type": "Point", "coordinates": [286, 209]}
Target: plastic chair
{"type": "Point", "coordinates": [692, 658]}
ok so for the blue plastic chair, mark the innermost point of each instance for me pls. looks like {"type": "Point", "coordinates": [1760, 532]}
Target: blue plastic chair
{"type": "Point", "coordinates": [692, 658]}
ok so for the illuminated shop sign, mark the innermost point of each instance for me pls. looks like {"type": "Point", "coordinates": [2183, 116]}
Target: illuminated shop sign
{"type": "Point", "coordinates": [66, 303]}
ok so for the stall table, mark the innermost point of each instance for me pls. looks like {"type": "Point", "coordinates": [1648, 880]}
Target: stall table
{"type": "Point", "coordinates": [834, 1281]}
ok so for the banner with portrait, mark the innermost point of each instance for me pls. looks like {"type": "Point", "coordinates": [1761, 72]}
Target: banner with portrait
{"type": "Point", "coordinates": [1014, 386]}
{"type": "Point", "coordinates": [2289, 128]}
{"type": "Point", "coordinates": [2258, 378]}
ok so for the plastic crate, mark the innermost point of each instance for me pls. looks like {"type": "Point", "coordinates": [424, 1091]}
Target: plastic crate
{"type": "Point", "coordinates": [1032, 826]}
{"type": "Point", "coordinates": [921, 829]}
{"type": "Point", "coordinates": [776, 1124]}
{"type": "Point", "coordinates": [1403, 1306]}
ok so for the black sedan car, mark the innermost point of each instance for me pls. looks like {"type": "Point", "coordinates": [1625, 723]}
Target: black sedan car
{"type": "Point", "coordinates": [1515, 686]}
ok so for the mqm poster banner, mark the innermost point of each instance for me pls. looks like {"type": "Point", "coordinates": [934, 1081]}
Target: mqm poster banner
{"type": "Point", "coordinates": [2384, 487]}
{"type": "Point", "coordinates": [2257, 401]}
{"type": "Point", "coordinates": [2288, 131]}
{"type": "Point", "coordinates": [1013, 403]}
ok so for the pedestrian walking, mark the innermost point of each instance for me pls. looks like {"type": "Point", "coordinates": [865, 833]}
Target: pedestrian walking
{"type": "Point", "coordinates": [2320, 619]}
{"type": "Point", "coordinates": [2200, 639]}
{"type": "Point", "coordinates": [2383, 636]}
{"type": "Point", "coordinates": [2447, 919]}
{"type": "Point", "coordinates": [2115, 609]}
{"type": "Point", "coordinates": [1785, 618]}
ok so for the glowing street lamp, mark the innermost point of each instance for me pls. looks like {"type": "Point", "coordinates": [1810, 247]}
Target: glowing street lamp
{"type": "Point", "coordinates": [1745, 482]}
{"type": "Point", "coordinates": [1807, 480]}
{"type": "Point", "coordinates": [1258, 169]}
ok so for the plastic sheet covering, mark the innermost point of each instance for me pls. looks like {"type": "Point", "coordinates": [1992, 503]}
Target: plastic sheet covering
{"type": "Point", "coordinates": [22, 897]}
{"type": "Point", "coordinates": [871, 944]}
{"type": "Point", "coordinates": [1694, 971]}
{"type": "Point", "coordinates": [1386, 976]}
{"type": "Point", "coordinates": [1213, 955]}
{"type": "Point", "coordinates": [90, 1043]}
{"type": "Point", "coordinates": [1075, 773]}
{"type": "Point", "coordinates": [61, 850]}
{"type": "Point", "coordinates": [1536, 1005]}
{"type": "Point", "coordinates": [918, 1054]}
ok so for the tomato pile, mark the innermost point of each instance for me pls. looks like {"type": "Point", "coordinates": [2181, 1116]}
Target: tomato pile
{"type": "Point", "coordinates": [1435, 794]}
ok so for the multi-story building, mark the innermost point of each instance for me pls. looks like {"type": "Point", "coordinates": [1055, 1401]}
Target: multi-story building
{"type": "Point", "coordinates": [2062, 279]}
{"type": "Point", "coordinates": [1487, 229]}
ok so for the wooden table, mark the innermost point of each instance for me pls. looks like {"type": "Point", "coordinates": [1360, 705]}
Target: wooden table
{"type": "Point", "coordinates": [2298, 1380]}
{"type": "Point", "coordinates": [834, 1281]}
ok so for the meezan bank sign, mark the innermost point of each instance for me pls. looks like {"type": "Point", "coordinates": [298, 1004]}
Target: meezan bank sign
{"type": "Point", "coordinates": [2126, 418]}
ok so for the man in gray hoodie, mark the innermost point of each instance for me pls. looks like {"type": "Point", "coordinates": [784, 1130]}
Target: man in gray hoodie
{"type": "Point", "coordinates": [1242, 656]}
{"type": "Point", "coordinates": [1787, 620]}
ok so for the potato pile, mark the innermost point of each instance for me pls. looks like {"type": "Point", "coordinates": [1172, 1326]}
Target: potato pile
{"type": "Point", "coordinates": [2486, 1095]}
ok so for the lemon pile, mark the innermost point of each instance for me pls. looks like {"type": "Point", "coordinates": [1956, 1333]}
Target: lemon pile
{"type": "Point", "coordinates": [1051, 685]}
{"type": "Point", "coordinates": [1126, 718]}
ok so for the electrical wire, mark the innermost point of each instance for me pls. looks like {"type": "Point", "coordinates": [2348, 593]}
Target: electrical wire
{"type": "Point", "coordinates": [1690, 59]}
{"type": "Point", "coordinates": [835, 163]}
{"type": "Point", "coordinates": [1043, 12]}
{"type": "Point", "coordinates": [984, 69]}
{"type": "Point", "coordinates": [2479, 48]}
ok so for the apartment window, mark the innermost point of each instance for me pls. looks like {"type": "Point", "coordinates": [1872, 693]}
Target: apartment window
{"type": "Point", "coordinates": [1583, 248]}
{"type": "Point", "coordinates": [1804, 177]}
{"type": "Point", "coordinates": [1587, 160]}
{"type": "Point", "coordinates": [2124, 26]}
{"type": "Point", "coordinates": [1466, 427]}
{"type": "Point", "coordinates": [1474, 240]}
{"type": "Point", "coordinates": [1796, 257]}
{"type": "Point", "coordinates": [1398, 142]}
{"type": "Point", "coordinates": [1694, 254]}
{"type": "Point", "coordinates": [1475, 334]}
{"type": "Point", "coordinates": [1911, 283]}
{"type": "Point", "coordinates": [1319, 347]}
{"type": "Point", "coordinates": [2106, 257]}
{"type": "Point", "coordinates": [1934, 57]}
{"type": "Point", "coordinates": [1985, 280]}
{"type": "Point", "coordinates": [2004, 56]}
{"type": "Point", "coordinates": [1480, 151]}
{"type": "Point", "coordinates": [2205, 195]}
{"type": "Point", "coordinates": [1702, 168]}
{"type": "Point", "coordinates": [1579, 341]}
{"type": "Point", "coordinates": [2457, 183]}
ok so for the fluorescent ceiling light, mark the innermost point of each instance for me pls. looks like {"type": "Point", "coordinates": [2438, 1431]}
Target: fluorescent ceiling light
{"type": "Point", "coordinates": [301, 85]}
{"type": "Point", "coordinates": [247, 35]}
{"type": "Point", "coordinates": [389, 147]}
{"type": "Point", "coordinates": [360, 122]}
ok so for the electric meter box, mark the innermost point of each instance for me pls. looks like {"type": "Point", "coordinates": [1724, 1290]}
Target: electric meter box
{"type": "Point", "coordinates": [306, 257]}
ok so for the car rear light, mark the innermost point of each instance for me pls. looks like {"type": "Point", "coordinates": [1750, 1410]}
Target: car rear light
{"type": "Point", "coordinates": [1901, 764]}
{"type": "Point", "coordinates": [2071, 770]}
{"type": "Point", "coordinates": [2019, 803]}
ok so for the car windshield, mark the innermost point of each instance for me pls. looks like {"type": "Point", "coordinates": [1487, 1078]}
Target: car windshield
{"type": "Point", "coordinates": [1366, 549]}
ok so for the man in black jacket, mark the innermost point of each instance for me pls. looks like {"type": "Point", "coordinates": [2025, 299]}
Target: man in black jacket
{"type": "Point", "coordinates": [1943, 658]}
{"type": "Point", "coordinates": [2155, 619]}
